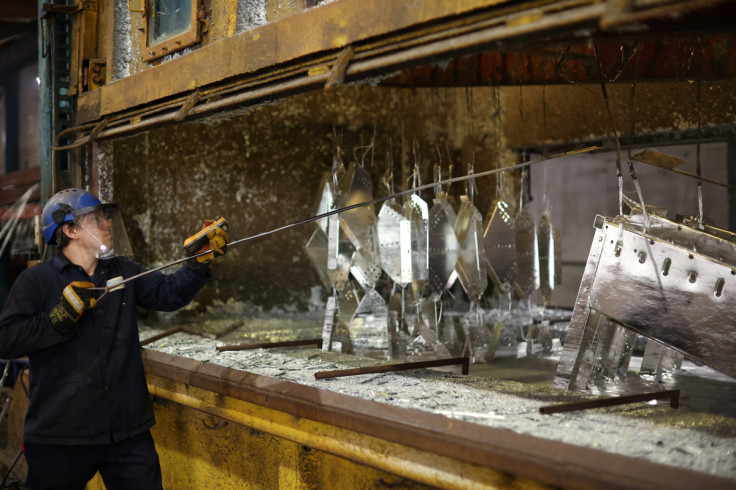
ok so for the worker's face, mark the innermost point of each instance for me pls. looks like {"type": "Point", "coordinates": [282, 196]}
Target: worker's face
{"type": "Point", "coordinates": [98, 230]}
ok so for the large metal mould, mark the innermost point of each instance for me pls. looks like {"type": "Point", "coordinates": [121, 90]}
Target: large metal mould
{"type": "Point", "coordinates": [670, 282]}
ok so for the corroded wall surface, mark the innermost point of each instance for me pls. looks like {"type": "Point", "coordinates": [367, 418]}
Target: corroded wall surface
{"type": "Point", "coordinates": [578, 112]}
{"type": "Point", "coordinates": [261, 169]}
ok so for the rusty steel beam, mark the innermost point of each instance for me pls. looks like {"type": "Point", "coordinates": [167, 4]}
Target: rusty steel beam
{"type": "Point", "coordinates": [153, 97]}
{"type": "Point", "coordinates": [293, 39]}
{"type": "Point", "coordinates": [372, 57]}
{"type": "Point", "coordinates": [519, 454]}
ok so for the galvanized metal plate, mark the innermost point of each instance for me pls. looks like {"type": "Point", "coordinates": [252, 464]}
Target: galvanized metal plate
{"type": "Point", "coordinates": [499, 240]}
{"type": "Point", "coordinates": [339, 254]}
{"type": "Point", "coordinates": [365, 268]}
{"type": "Point", "coordinates": [527, 254]}
{"type": "Point", "coordinates": [444, 248]}
{"type": "Point", "coordinates": [326, 201]}
{"type": "Point", "coordinates": [471, 263]}
{"type": "Point", "coordinates": [316, 249]}
{"type": "Point", "coordinates": [654, 286]}
{"type": "Point", "coordinates": [394, 239]}
{"type": "Point", "coordinates": [545, 240]}
{"type": "Point", "coordinates": [557, 237]}
{"type": "Point", "coordinates": [359, 223]}
{"type": "Point", "coordinates": [369, 326]}
{"type": "Point", "coordinates": [417, 212]}
{"type": "Point", "coordinates": [679, 297]}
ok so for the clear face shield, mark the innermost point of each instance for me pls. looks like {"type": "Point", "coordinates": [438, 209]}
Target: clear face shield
{"type": "Point", "coordinates": [103, 232]}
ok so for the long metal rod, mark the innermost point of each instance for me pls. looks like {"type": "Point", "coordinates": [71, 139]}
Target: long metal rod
{"type": "Point", "coordinates": [389, 368]}
{"type": "Point", "coordinates": [107, 289]}
{"type": "Point", "coordinates": [672, 395]}
{"type": "Point", "coordinates": [270, 345]}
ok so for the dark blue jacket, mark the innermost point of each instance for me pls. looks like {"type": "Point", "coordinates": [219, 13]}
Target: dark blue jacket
{"type": "Point", "coordinates": [87, 388]}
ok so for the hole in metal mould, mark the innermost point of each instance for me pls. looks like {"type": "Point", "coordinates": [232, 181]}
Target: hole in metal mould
{"type": "Point", "coordinates": [719, 286]}
{"type": "Point", "coordinates": [666, 267]}
{"type": "Point", "coordinates": [693, 276]}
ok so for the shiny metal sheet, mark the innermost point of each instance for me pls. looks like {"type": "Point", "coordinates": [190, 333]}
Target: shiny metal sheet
{"type": "Point", "coordinates": [339, 254]}
{"type": "Point", "coordinates": [365, 268]}
{"type": "Point", "coordinates": [545, 240]}
{"type": "Point", "coordinates": [557, 237]}
{"type": "Point", "coordinates": [316, 249]}
{"type": "Point", "coordinates": [417, 212]}
{"type": "Point", "coordinates": [471, 263]}
{"type": "Point", "coordinates": [394, 239]}
{"type": "Point", "coordinates": [527, 254]}
{"type": "Point", "coordinates": [675, 295]}
{"type": "Point", "coordinates": [359, 223]}
{"type": "Point", "coordinates": [499, 239]}
{"type": "Point", "coordinates": [327, 200]}
{"type": "Point", "coordinates": [328, 325]}
{"type": "Point", "coordinates": [369, 326]}
{"type": "Point", "coordinates": [659, 361]}
{"type": "Point", "coordinates": [711, 242]}
{"type": "Point", "coordinates": [444, 248]}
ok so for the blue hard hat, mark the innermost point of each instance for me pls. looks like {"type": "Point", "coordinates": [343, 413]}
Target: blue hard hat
{"type": "Point", "coordinates": [63, 207]}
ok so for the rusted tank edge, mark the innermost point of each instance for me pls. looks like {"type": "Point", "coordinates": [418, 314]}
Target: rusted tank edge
{"type": "Point", "coordinates": [552, 462]}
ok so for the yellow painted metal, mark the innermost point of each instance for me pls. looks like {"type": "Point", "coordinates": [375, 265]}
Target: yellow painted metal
{"type": "Point", "coordinates": [197, 451]}
{"type": "Point", "coordinates": [95, 483]}
{"type": "Point", "coordinates": [278, 431]}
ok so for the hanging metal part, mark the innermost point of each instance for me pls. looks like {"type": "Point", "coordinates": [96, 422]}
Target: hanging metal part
{"type": "Point", "coordinates": [394, 238]}
{"type": "Point", "coordinates": [527, 254]}
{"type": "Point", "coordinates": [417, 212]}
{"type": "Point", "coordinates": [333, 213]}
{"type": "Point", "coordinates": [471, 263]}
{"type": "Point", "coordinates": [443, 247]}
{"type": "Point", "coordinates": [499, 238]}
{"type": "Point", "coordinates": [632, 172]}
{"type": "Point", "coordinates": [369, 326]}
{"type": "Point", "coordinates": [672, 283]}
{"type": "Point", "coordinates": [316, 249]}
{"type": "Point", "coordinates": [545, 235]}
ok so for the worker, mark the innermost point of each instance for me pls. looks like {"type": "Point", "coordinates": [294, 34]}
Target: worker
{"type": "Point", "coordinates": [90, 409]}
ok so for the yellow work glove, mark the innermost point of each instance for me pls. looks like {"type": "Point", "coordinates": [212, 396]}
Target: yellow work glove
{"type": "Point", "coordinates": [213, 237]}
{"type": "Point", "coordinates": [75, 299]}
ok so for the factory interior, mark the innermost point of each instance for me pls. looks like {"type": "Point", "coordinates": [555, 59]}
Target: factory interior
{"type": "Point", "coordinates": [472, 243]}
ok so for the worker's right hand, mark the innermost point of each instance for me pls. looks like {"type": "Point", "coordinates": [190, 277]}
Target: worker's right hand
{"type": "Point", "coordinates": [75, 299]}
